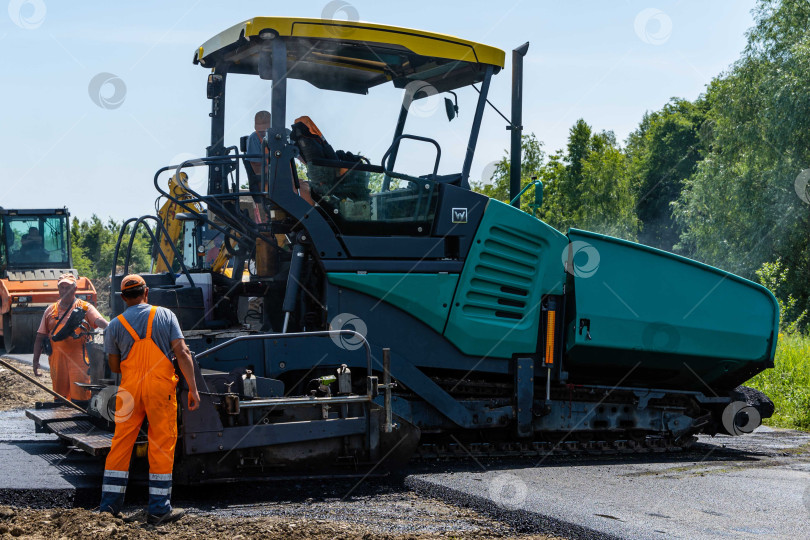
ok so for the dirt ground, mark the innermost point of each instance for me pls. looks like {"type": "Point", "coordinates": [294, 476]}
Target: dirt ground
{"type": "Point", "coordinates": [85, 524]}
{"type": "Point", "coordinates": [16, 392]}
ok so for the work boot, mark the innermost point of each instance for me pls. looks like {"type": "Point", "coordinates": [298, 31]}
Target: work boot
{"type": "Point", "coordinates": [108, 510]}
{"type": "Point", "coordinates": [140, 516]}
{"type": "Point", "coordinates": [172, 515]}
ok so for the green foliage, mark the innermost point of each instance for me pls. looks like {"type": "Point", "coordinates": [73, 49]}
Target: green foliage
{"type": "Point", "coordinates": [788, 383]}
{"type": "Point", "coordinates": [740, 209]}
{"type": "Point", "coordinates": [376, 180]}
{"type": "Point", "coordinates": [586, 187]}
{"type": "Point", "coordinates": [93, 247]}
{"type": "Point", "coordinates": [774, 277]}
{"type": "Point", "coordinates": [714, 179]}
{"type": "Point", "coordinates": [663, 152]}
{"type": "Point", "coordinates": [601, 200]}
{"type": "Point", "coordinates": [301, 169]}
{"type": "Point", "coordinates": [497, 187]}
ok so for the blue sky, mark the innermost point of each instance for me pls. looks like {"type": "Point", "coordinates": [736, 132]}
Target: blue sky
{"type": "Point", "coordinates": [606, 62]}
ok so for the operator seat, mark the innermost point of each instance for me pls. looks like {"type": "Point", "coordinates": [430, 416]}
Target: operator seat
{"type": "Point", "coordinates": [331, 174]}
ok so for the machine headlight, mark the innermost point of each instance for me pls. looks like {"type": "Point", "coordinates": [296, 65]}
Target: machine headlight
{"type": "Point", "coordinates": [22, 299]}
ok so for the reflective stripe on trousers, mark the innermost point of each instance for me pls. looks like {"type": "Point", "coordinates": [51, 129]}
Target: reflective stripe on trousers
{"type": "Point", "coordinates": [160, 490]}
{"type": "Point", "coordinates": [112, 490]}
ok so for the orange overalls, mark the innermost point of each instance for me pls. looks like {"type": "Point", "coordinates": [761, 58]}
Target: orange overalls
{"type": "Point", "coordinates": [148, 388]}
{"type": "Point", "coordinates": [68, 363]}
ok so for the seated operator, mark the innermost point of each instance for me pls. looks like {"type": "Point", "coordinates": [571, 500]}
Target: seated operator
{"type": "Point", "coordinates": [261, 124]}
{"type": "Point", "coordinates": [31, 249]}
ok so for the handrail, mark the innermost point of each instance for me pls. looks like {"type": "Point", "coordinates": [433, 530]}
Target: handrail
{"type": "Point", "coordinates": [207, 199]}
{"type": "Point", "coordinates": [117, 249]}
{"type": "Point", "coordinates": [415, 138]}
{"type": "Point", "coordinates": [224, 213]}
{"type": "Point", "coordinates": [176, 253]}
{"type": "Point", "coordinates": [537, 184]}
{"type": "Point", "coordinates": [317, 333]}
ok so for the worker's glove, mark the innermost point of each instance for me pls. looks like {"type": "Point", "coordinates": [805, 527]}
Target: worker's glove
{"type": "Point", "coordinates": [36, 368]}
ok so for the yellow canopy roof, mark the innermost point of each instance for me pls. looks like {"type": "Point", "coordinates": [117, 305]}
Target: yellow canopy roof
{"type": "Point", "coordinates": [352, 56]}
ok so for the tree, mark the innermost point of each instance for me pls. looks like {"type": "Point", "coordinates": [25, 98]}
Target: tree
{"type": "Point", "coordinates": [586, 187]}
{"type": "Point", "coordinates": [663, 152]}
{"type": "Point", "coordinates": [93, 247]}
{"type": "Point", "coordinates": [606, 200]}
{"type": "Point", "coordinates": [579, 147]}
{"type": "Point", "coordinates": [497, 187]}
{"type": "Point", "coordinates": [740, 209]}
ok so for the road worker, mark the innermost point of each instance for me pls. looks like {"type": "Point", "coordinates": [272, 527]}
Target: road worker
{"type": "Point", "coordinates": [139, 343]}
{"type": "Point", "coordinates": [68, 361]}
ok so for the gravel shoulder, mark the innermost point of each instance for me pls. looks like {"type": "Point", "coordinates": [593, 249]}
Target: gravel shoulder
{"type": "Point", "coordinates": [86, 524]}
{"type": "Point", "coordinates": [16, 392]}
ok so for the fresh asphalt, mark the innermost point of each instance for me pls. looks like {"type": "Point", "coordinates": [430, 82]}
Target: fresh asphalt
{"type": "Point", "coordinates": [28, 359]}
{"type": "Point", "coordinates": [757, 485]}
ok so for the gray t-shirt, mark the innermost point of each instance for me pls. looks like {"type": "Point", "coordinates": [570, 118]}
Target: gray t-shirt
{"type": "Point", "coordinates": [254, 146]}
{"type": "Point", "coordinates": [165, 329]}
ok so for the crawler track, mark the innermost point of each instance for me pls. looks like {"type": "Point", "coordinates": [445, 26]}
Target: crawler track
{"type": "Point", "coordinates": [598, 445]}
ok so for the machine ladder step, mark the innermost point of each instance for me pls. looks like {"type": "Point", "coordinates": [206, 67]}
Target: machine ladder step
{"type": "Point", "coordinates": [43, 417]}
{"type": "Point", "coordinates": [83, 435]}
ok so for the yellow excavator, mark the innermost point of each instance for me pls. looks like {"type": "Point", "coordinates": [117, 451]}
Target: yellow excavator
{"type": "Point", "coordinates": [168, 215]}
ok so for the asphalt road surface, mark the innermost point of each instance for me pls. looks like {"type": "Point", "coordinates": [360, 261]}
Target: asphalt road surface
{"type": "Point", "coordinates": [724, 487]}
